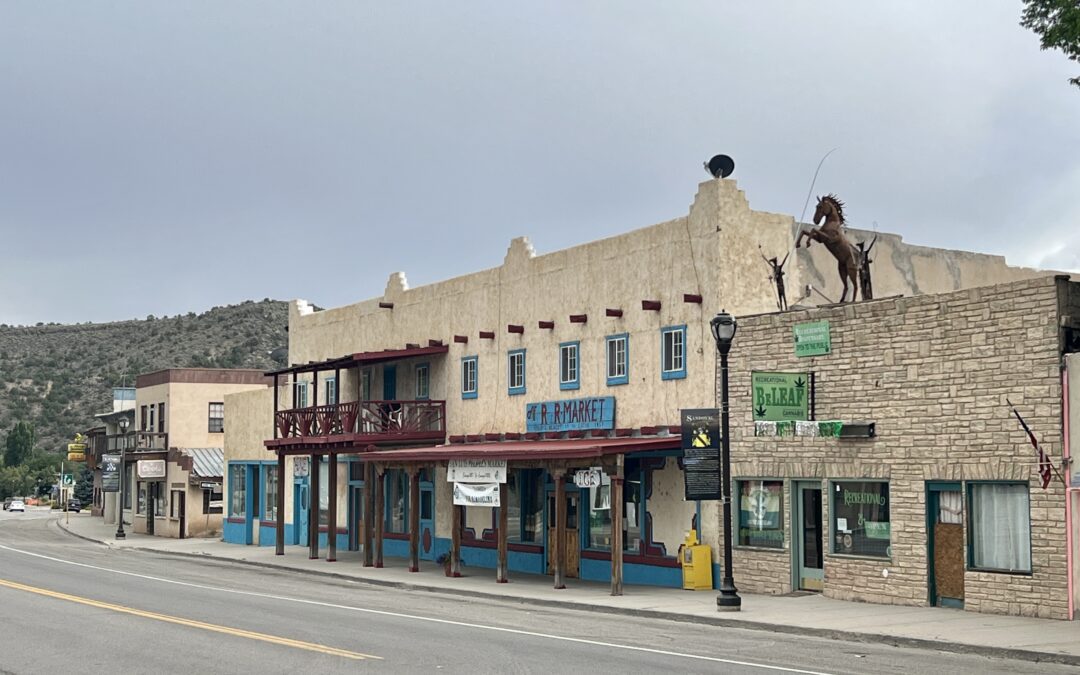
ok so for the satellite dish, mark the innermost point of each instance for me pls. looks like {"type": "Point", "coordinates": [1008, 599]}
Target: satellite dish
{"type": "Point", "coordinates": [720, 166]}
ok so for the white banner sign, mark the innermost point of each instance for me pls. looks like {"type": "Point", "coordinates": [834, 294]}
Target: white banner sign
{"type": "Point", "coordinates": [476, 471]}
{"type": "Point", "coordinates": [301, 466]}
{"type": "Point", "coordinates": [476, 494]}
{"type": "Point", "coordinates": [151, 468]}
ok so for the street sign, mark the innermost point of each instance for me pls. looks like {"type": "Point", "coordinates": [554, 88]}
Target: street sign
{"type": "Point", "coordinates": [213, 487]}
{"type": "Point", "coordinates": [110, 473]}
{"type": "Point", "coordinates": [476, 471]}
{"type": "Point", "coordinates": [68, 480]}
{"type": "Point", "coordinates": [301, 467]}
{"type": "Point", "coordinates": [778, 397]}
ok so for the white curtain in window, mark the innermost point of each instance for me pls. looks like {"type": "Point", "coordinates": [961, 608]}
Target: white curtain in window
{"type": "Point", "coordinates": [1001, 527]}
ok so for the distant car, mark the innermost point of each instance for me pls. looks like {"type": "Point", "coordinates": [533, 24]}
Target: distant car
{"type": "Point", "coordinates": [74, 505]}
{"type": "Point", "coordinates": [17, 506]}
{"type": "Point", "coordinates": [7, 502]}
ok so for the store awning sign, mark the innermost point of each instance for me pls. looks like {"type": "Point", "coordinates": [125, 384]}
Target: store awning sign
{"type": "Point", "coordinates": [580, 413]}
{"type": "Point", "coordinates": [780, 397]}
{"type": "Point", "coordinates": [151, 468]}
{"type": "Point", "coordinates": [476, 494]}
{"type": "Point", "coordinates": [812, 339]}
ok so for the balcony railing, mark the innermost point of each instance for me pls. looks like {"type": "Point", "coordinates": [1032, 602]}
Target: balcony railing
{"type": "Point", "coordinates": [371, 421]}
{"type": "Point", "coordinates": [150, 440]}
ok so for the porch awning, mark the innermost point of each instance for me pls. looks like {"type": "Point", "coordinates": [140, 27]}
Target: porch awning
{"type": "Point", "coordinates": [206, 463]}
{"type": "Point", "coordinates": [580, 448]}
{"type": "Point", "coordinates": [362, 358]}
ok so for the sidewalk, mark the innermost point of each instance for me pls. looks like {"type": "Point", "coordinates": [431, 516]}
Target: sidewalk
{"type": "Point", "coordinates": [923, 627]}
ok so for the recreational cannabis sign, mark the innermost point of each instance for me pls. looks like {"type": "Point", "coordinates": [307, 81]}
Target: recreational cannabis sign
{"type": "Point", "coordinates": [780, 396]}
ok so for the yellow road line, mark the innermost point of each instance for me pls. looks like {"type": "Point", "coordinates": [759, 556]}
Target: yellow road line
{"type": "Point", "coordinates": [287, 642]}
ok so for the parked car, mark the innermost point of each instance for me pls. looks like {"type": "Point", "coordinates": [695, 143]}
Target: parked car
{"type": "Point", "coordinates": [74, 505]}
{"type": "Point", "coordinates": [17, 506]}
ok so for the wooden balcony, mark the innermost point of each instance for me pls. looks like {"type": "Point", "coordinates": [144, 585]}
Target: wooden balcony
{"type": "Point", "coordinates": [362, 423]}
{"type": "Point", "coordinates": [150, 440]}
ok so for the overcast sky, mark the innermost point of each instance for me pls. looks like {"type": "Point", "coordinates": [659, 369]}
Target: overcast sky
{"type": "Point", "coordinates": [166, 157]}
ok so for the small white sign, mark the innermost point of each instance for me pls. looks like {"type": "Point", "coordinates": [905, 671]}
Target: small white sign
{"type": "Point", "coordinates": [151, 468]}
{"type": "Point", "coordinates": [476, 494]}
{"type": "Point", "coordinates": [476, 471]}
{"type": "Point", "coordinates": [841, 525]}
{"type": "Point", "coordinates": [588, 478]}
{"type": "Point", "coordinates": [301, 466]}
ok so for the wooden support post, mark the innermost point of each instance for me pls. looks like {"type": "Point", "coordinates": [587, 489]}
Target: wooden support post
{"type": "Point", "coordinates": [414, 519]}
{"type": "Point", "coordinates": [455, 541]}
{"type": "Point", "coordinates": [380, 518]}
{"type": "Point", "coordinates": [560, 528]}
{"type": "Point", "coordinates": [369, 513]}
{"type": "Point", "coordinates": [313, 512]}
{"type": "Point", "coordinates": [275, 413]}
{"type": "Point", "coordinates": [501, 571]}
{"type": "Point", "coordinates": [331, 511]}
{"type": "Point", "coordinates": [617, 529]}
{"type": "Point", "coordinates": [279, 526]}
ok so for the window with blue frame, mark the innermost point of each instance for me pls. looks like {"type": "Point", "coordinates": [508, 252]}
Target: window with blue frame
{"type": "Point", "coordinates": [673, 353]}
{"type": "Point", "coordinates": [300, 395]}
{"type": "Point", "coordinates": [618, 359]}
{"type": "Point", "coordinates": [237, 490]}
{"type": "Point", "coordinates": [569, 370]}
{"type": "Point", "coordinates": [423, 381]}
{"type": "Point", "coordinates": [515, 372]}
{"type": "Point", "coordinates": [397, 501]}
{"type": "Point", "coordinates": [330, 388]}
{"type": "Point", "coordinates": [270, 481]}
{"type": "Point", "coordinates": [469, 377]}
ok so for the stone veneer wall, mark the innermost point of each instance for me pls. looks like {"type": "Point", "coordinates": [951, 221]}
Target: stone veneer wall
{"type": "Point", "coordinates": [933, 372]}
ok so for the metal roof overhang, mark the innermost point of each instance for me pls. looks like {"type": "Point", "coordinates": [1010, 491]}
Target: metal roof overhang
{"type": "Point", "coordinates": [583, 448]}
{"type": "Point", "coordinates": [362, 358]}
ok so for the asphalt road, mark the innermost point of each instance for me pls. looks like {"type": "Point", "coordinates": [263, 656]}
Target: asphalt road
{"type": "Point", "coordinates": [70, 606]}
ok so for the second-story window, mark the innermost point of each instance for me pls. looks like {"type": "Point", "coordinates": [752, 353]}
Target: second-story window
{"type": "Point", "coordinates": [331, 391]}
{"type": "Point", "coordinates": [365, 384]}
{"type": "Point", "coordinates": [468, 377]}
{"type": "Point", "coordinates": [300, 396]}
{"type": "Point", "coordinates": [617, 369]}
{"type": "Point", "coordinates": [217, 418]}
{"type": "Point", "coordinates": [515, 372]}
{"type": "Point", "coordinates": [150, 417]}
{"type": "Point", "coordinates": [423, 381]}
{"type": "Point", "coordinates": [673, 353]}
{"type": "Point", "coordinates": [569, 376]}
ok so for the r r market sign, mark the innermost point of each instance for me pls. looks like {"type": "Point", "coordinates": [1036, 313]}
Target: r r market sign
{"type": "Point", "coordinates": [780, 396]}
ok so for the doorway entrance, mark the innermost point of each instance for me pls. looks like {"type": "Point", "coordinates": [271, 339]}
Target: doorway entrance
{"type": "Point", "coordinates": [301, 503]}
{"type": "Point", "coordinates": [807, 537]}
{"type": "Point", "coordinates": [945, 544]}
{"type": "Point", "coordinates": [573, 538]}
{"type": "Point", "coordinates": [177, 503]}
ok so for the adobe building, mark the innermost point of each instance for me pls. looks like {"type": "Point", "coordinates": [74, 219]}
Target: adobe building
{"type": "Point", "coordinates": [546, 365]}
{"type": "Point", "coordinates": [173, 469]}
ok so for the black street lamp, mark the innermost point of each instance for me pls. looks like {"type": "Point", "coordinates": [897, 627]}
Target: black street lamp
{"type": "Point", "coordinates": [723, 329]}
{"type": "Point", "coordinates": [123, 422]}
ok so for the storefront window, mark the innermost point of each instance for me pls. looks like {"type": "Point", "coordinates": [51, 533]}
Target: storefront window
{"type": "Point", "coordinates": [324, 493]}
{"type": "Point", "coordinates": [761, 513]}
{"type": "Point", "coordinates": [140, 507]}
{"type": "Point", "coordinates": [525, 514]}
{"type": "Point", "coordinates": [860, 518]}
{"type": "Point", "coordinates": [634, 507]}
{"type": "Point", "coordinates": [1000, 527]}
{"type": "Point", "coordinates": [599, 516]}
{"type": "Point", "coordinates": [270, 494]}
{"type": "Point", "coordinates": [237, 490]}
{"type": "Point", "coordinates": [397, 500]}
{"type": "Point", "coordinates": [160, 500]}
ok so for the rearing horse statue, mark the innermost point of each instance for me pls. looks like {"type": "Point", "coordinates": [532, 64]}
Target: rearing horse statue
{"type": "Point", "coordinates": [847, 256]}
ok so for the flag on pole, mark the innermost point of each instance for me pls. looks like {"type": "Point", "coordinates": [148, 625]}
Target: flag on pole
{"type": "Point", "coordinates": [1044, 461]}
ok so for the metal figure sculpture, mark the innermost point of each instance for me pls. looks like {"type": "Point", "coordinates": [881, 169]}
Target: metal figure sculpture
{"type": "Point", "coordinates": [865, 283]}
{"type": "Point", "coordinates": [778, 280]}
{"type": "Point", "coordinates": [831, 210]}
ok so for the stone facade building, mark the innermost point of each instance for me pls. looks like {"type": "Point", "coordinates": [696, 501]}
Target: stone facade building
{"type": "Point", "coordinates": [933, 372]}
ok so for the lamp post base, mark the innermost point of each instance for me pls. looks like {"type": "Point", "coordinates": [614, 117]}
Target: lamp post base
{"type": "Point", "coordinates": [728, 600]}
{"type": "Point", "coordinates": [120, 534]}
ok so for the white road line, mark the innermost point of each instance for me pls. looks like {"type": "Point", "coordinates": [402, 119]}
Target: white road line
{"type": "Point", "coordinates": [498, 629]}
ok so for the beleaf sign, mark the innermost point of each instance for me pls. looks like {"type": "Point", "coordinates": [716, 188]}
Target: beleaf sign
{"type": "Point", "coordinates": [780, 396]}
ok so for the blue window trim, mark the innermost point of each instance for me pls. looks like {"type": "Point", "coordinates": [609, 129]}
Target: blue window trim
{"type": "Point", "coordinates": [625, 377]}
{"type": "Point", "coordinates": [576, 382]}
{"type": "Point", "coordinates": [673, 374]}
{"type": "Point", "coordinates": [327, 386]}
{"type": "Point", "coordinates": [516, 391]}
{"type": "Point", "coordinates": [476, 370]}
{"type": "Point", "coordinates": [416, 380]}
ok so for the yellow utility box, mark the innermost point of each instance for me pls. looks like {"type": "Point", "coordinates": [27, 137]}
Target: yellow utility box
{"type": "Point", "coordinates": [696, 561]}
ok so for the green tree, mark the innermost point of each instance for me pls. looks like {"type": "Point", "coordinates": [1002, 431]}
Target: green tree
{"type": "Point", "coordinates": [19, 445]}
{"type": "Point", "coordinates": [84, 486]}
{"type": "Point", "coordinates": [1057, 23]}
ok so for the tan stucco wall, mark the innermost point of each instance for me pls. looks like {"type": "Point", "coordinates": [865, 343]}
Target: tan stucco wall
{"type": "Point", "coordinates": [249, 420]}
{"type": "Point", "coordinates": [187, 410]}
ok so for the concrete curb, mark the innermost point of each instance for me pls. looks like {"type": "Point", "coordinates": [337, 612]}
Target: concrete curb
{"type": "Point", "coordinates": [1016, 654]}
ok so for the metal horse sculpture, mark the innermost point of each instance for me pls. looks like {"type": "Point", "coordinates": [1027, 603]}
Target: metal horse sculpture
{"type": "Point", "coordinates": [847, 256]}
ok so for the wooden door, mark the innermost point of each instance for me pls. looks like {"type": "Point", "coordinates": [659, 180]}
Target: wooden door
{"type": "Point", "coordinates": [573, 538]}
{"type": "Point", "coordinates": [945, 518]}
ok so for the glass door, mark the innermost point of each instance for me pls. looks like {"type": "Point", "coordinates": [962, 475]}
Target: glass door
{"type": "Point", "coordinates": [808, 537]}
